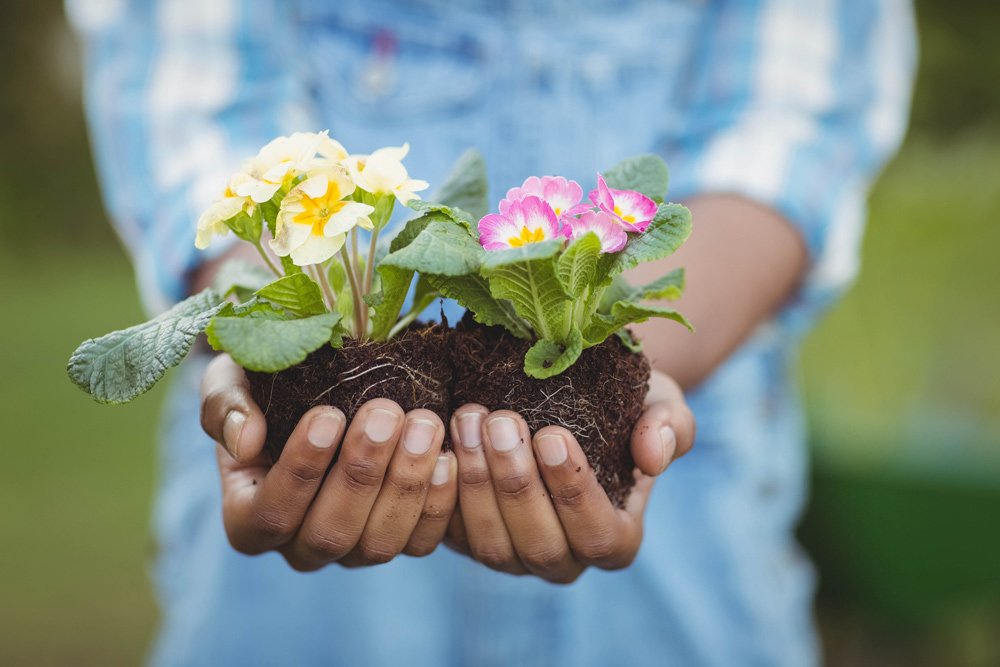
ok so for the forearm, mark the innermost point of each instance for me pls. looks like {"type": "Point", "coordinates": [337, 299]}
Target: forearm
{"type": "Point", "coordinates": [742, 262]}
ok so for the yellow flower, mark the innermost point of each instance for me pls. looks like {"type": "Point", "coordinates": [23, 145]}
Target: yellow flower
{"type": "Point", "coordinates": [315, 217]}
{"type": "Point", "coordinates": [383, 173]}
{"type": "Point", "coordinates": [212, 221]}
{"type": "Point", "coordinates": [284, 158]}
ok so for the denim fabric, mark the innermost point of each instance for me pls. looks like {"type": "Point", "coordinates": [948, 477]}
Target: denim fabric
{"type": "Point", "coordinates": [793, 103]}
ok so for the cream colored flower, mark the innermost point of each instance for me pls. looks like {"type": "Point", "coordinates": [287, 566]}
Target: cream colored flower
{"type": "Point", "coordinates": [315, 217]}
{"type": "Point", "coordinates": [383, 173]}
{"type": "Point", "coordinates": [212, 221]}
{"type": "Point", "coordinates": [284, 158]}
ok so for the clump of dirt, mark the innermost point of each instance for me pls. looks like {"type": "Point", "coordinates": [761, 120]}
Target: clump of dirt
{"type": "Point", "coordinates": [598, 399]}
{"type": "Point", "coordinates": [412, 369]}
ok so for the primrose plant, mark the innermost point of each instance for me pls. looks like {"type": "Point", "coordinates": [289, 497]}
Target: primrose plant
{"type": "Point", "coordinates": [547, 266]}
{"type": "Point", "coordinates": [300, 202]}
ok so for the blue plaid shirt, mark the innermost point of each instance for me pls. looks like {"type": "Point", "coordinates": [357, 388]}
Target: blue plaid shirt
{"type": "Point", "coordinates": [792, 103]}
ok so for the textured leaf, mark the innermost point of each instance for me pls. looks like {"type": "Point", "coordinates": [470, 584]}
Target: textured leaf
{"type": "Point", "coordinates": [647, 174]}
{"type": "Point", "coordinates": [246, 226]}
{"type": "Point", "coordinates": [577, 266]}
{"type": "Point", "coordinates": [545, 358]}
{"type": "Point", "coordinates": [442, 248]}
{"type": "Point", "coordinates": [526, 276]}
{"type": "Point", "coordinates": [669, 287]}
{"type": "Point", "coordinates": [121, 365]}
{"type": "Point", "coordinates": [473, 292]}
{"type": "Point", "coordinates": [627, 312]}
{"type": "Point", "coordinates": [629, 341]}
{"type": "Point", "coordinates": [452, 213]}
{"type": "Point", "coordinates": [262, 340]}
{"type": "Point", "coordinates": [289, 266]}
{"type": "Point", "coordinates": [668, 230]}
{"type": "Point", "coordinates": [466, 185]}
{"type": "Point", "coordinates": [240, 276]}
{"type": "Point", "coordinates": [298, 294]}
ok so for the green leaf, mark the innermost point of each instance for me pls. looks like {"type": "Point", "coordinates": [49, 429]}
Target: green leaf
{"type": "Point", "coordinates": [627, 312]}
{"type": "Point", "coordinates": [669, 229]}
{"type": "Point", "coordinates": [577, 266]}
{"type": "Point", "coordinates": [466, 186]}
{"type": "Point", "coordinates": [298, 294]}
{"type": "Point", "coordinates": [669, 287]}
{"type": "Point", "coordinates": [245, 226]}
{"type": "Point", "coordinates": [527, 277]}
{"type": "Point", "coordinates": [289, 266]}
{"type": "Point", "coordinates": [121, 365]}
{"type": "Point", "coordinates": [240, 277]}
{"type": "Point", "coordinates": [452, 213]}
{"type": "Point", "coordinates": [262, 340]}
{"type": "Point", "coordinates": [647, 174]}
{"type": "Point", "coordinates": [442, 248]}
{"type": "Point", "coordinates": [269, 210]}
{"type": "Point", "coordinates": [473, 292]}
{"type": "Point", "coordinates": [545, 358]}
{"type": "Point", "coordinates": [629, 341]}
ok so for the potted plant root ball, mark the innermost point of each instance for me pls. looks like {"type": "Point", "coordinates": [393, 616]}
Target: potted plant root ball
{"type": "Point", "coordinates": [545, 335]}
{"type": "Point", "coordinates": [319, 320]}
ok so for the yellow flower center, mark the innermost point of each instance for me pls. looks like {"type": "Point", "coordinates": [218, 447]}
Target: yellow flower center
{"type": "Point", "coordinates": [319, 210]}
{"type": "Point", "coordinates": [557, 211]}
{"type": "Point", "coordinates": [630, 219]}
{"type": "Point", "coordinates": [527, 236]}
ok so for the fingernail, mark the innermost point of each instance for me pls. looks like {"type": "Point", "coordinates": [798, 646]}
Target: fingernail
{"type": "Point", "coordinates": [669, 442]}
{"type": "Point", "coordinates": [504, 435]}
{"type": "Point", "coordinates": [418, 436]}
{"type": "Point", "coordinates": [323, 430]}
{"type": "Point", "coordinates": [442, 470]}
{"type": "Point", "coordinates": [552, 448]}
{"type": "Point", "coordinates": [468, 429]}
{"type": "Point", "coordinates": [232, 427]}
{"type": "Point", "coordinates": [381, 425]}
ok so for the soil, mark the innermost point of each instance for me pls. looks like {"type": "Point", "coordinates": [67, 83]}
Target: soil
{"type": "Point", "coordinates": [412, 369]}
{"type": "Point", "coordinates": [598, 399]}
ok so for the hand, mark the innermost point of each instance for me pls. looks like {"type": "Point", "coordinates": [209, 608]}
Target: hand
{"type": "Point", "coordinates": [532, 505]}
{"type": "Point", "coordinates": [390, 491]}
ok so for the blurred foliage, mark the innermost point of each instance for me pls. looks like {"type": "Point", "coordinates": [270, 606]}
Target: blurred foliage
{"type": "Point", "coordinates": [901, 379]}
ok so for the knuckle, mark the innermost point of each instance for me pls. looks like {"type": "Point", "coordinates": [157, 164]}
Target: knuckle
{"type": "Point", "coordinates": [571, 494]}
{"type": "Point", "coordinates": [420, 548]}
{"type": "Point", "coordinates": [516, 485]}
{"type": "Point", "coordinates": [435, 514]}
{"type": "Point", "coordinates": [550, 560]}
{"type": "Point", "coordinates": [376, 552]}
{"type": "Point", "coordinates": [407, 487]}
{"type": "Point", "coordinates": [475, 478]}
{"type": "Point", "coordinates": [494, 556]}
{"type": "Point", "coordinates": [600, 549]}
{"type": "Point", "coordinates": [362, 475]}
{"type": "Point", "coordinates": [328, 546]}
{"type": "Point", "coordinates": [272, 525]}
{"type": "Point", "coordinates": [304, 473]}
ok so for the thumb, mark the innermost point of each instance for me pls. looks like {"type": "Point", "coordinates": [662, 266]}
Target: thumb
{"type": "Point", "coordinates": [228, 413]}
{"type": "Point", "coordinates": [666, 429]}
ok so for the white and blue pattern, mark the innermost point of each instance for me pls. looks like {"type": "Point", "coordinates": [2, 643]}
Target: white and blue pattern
{"type": "Point", "coordinates": [792, 103]}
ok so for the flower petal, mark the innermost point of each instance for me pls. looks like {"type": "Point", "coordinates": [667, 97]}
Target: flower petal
{"type": "Point", "coordinates": [533, 213]}
{"type": "Point", "coordinates": [611, 234]}
{"type": "Point", "coordinates": [353, 214]}
{"type": "Point", "coordinates": [495, 230]}
{"type": "Point", "coordinates": [317, 249]}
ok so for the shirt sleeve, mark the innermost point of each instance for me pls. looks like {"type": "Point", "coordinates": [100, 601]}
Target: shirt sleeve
{"type": "Point", "coordinates": [797, 104]}
{"type": "Point", "coordinates": [178, 93]}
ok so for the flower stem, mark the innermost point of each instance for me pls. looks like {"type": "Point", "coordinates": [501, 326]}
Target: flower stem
{"type": "Point", "coordinates": [359, 321]}
{"type": "Point", "coordinates": [267, 260]}
{"type": "Point", "coordinates": [319, 273]}
{"type": "Point", "coordinates": [370, 262]}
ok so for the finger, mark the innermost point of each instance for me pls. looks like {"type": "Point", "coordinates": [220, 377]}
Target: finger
{"type": "Point", "coordinates": [597, 533]}
{"type": "Point", "coordinates": [664, 432]}
{"type": "Point", "coordinates": [399, 504]}
{"type": "Point", "coordinates": [228, 413]}
{"type": "Point", "coordinates": [263, 508]}
{"type": "Point", "coordinates": [337, 517]}
{"type": "Point", "coordinates": [455, 536]}
{"type": "Point", "coordinates": [488, 540]}
{"type": "Point", "coordinates": [524, 501]}
{"type": "Point", "coordinates": [439, 507]}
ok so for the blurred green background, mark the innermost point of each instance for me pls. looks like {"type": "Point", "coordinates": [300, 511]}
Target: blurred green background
{"type": "Point", "coordinates": [901, 380]}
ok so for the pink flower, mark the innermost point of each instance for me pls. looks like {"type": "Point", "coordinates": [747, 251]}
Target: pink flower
{"type": "Point", "coordinates": [632, 209]}
{"type": "Point", "coordinates": [562, 194]}
{"type": "Point", "coordinates": [521, 221]}
{"type": "Point", "coordinates": [605, 225]}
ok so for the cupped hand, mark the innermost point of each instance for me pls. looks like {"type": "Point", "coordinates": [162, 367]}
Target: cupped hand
{"type": "Point", "coordinates": [390, 491]}
{"type": "Point", "coordinates": [531, 504]}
